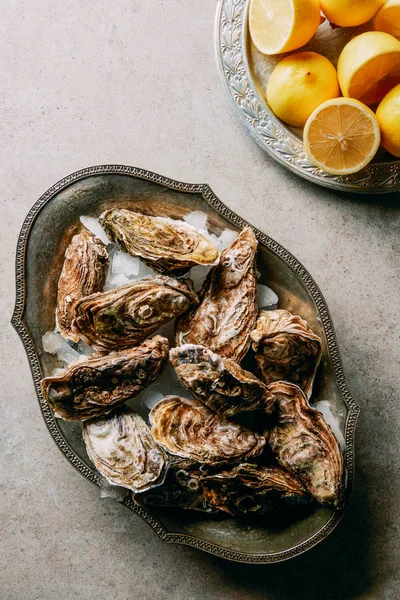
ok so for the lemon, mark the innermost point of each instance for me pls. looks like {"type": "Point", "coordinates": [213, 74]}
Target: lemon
{"type": "Point", "coordinates": [388, 18]}
{"type": "Point", "coordinates": [341, 136]}
{"type": "Point", "coordinates": [369, 66]}
{"type": "Point", "coordinates": [349, 13]}
{"type": "Point", "coordinates": [388, 115]}
{"type": "Point", "coordinates": [300, 83]}
{"type": "Point", "coordinates": [282, 25]}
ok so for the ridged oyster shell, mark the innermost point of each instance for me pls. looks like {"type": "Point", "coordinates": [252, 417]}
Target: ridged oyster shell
{"type": "Point", "coordinates": [189, 429]}
{"type": "Point", "coordinates": [286, 349]}
{"type": "Point", "coordinates": [95, 386]}
{"type": "Point", "coordinates": [304, 444]}
{"type": "Point", "coordinates": [227, 311]}
{"type": "Point", "coordinates": [124, 316]}
{"type": "Point", "coordinates": [219, 383]}
{"type": "Point", "coordinates": [248, 488]}
{"type": "Point", "coordinates": [236, 490]}
{"type": "Point", "coordinates": [123, 450]}
{"type": "Point", "coordinates": [167, 245]}
{"type": "Point", "coordinates": [83, 273]}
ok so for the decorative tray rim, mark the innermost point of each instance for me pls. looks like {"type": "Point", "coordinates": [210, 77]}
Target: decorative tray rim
{"type": "Point", "coordinates": [213, 201]}
{"type": "Point", "coordinates": [261, 124]}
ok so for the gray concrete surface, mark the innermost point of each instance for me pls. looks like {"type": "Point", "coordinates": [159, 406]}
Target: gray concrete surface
{"type": "Point", "coordinates": [135, 82]}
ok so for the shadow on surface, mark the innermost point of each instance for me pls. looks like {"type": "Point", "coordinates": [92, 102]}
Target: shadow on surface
{"type": "Point", "coordinates": [337, 568]}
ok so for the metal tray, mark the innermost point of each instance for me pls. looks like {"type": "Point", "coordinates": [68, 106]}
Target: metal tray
{"type": "Point", "coordinates": [245, 71]}
{"type": "Point", "coordinates": [45, 234]}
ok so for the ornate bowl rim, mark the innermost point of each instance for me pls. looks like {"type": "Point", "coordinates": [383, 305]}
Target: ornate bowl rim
{"type": "Point", "coordinates": [213, 201]}
{"type": "Point", "coordinates": [262, 125]}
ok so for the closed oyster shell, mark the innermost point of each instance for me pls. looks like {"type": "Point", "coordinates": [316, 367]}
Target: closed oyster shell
{"type": "Point", "coordinates": [286, 349]}
{"type": "Point", "coordinates": [248, 488]}
{"type": "Point", "coordinates": [95, 386]}
{"type": "Point", "coordinates": [219, 383]}
{"type": "Point", "coordinates": [124, 316]}
{"type": "Point", "coordinates": [304, 444]}
{"type": "Point", "coordinates": [227, 311]}
{"type": "Point", "coordinates": [167, 245]}
{"type": "Point", "coordinates": [238, 490]}
{"type": "Point", "coordinates": [189, 429]}
{"type": "Point", "coordinates": [83, 273]}
{"type": "Point", "coordinates": [123, 450]}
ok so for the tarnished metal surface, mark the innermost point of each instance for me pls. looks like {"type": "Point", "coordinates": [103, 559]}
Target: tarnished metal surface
{"type": "Point", "coordinates": [46, 233]}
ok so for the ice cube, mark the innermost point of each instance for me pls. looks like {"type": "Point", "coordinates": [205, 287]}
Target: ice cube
{"type": "Point", "coordinates": [197, 219]}
{"type": "Point", "coordinates": [84, 349]}
{"type": "Point", "coordinates": [226, 238]}
{"type": "Point", "coordinates": [152, 398]}
{"type": "Point", "coordinates": [94, 226]}
{"type": "Point", "coordinates": [266, 298]}
{"type": "Point", "coordinates": [125, 264]}
{"type": "Point", "coordinates": [145, 271]}
{"type": "Point", "coordinates": [115, 492]}
{"type": "Point", "coordinates": [69, 355]}
{"type": "Point", "coordinates": [324, 408]}
{"type": "Point", "coordinates": [52, 342]}
{"type": "Point", "coordinates": [117, 280]}
{"type": "Point", "coordinates": [198, 275]}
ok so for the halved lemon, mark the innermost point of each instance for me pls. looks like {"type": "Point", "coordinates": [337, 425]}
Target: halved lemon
{"type": "Point", "coordinates": [388, 18]}
{"type": "Point", "coordinates": [369, 66]}
{"type": "Point", "coordinates": [341, 136]}
{"type": "Point", "coordinates": [282, 25]}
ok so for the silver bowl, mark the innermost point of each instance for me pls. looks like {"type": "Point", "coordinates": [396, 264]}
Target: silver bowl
{"type": "Point", "coordinates": [245, 71]}
{"type": "Point", "coordinates": [45, 234]}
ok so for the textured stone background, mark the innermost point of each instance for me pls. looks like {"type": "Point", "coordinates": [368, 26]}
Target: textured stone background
{"type": "Point", "coordinates": [135, 82]}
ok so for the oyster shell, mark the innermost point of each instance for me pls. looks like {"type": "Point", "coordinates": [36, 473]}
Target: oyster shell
{"type": "Point", "coordinates": [189, 429]}
{"type": "Point", "coordinates": [173, 494]}
{"type": "Point", "coordinates": [227, 311]}
{"type": "Point", "coordinates": [83, 273]}
{"type": "Point", "coordinates": [123, 450]}
{"type": "Point", "coordinates": [219, 383]}
{"type": "Point", "coordinates": [238, 490]}
{"type": "Point", "coordinates": [124, 316]}
{"type": "Point", "coordinates": [304, 444]}
{"type": "Point", "coordinates": [165, 244]}
{"type": "Point", "coordinates": [93, 387]}
{"type": "Point", "coordinates": [286, 349]}
{"type": "Point", "coordinates": [248, 488]}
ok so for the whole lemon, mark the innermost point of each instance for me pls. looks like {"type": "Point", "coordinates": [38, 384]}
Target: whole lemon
{"type": "Point", "coordinates": [349, 13]}
{"type": "Point", "coordinates": [300, 83]}
{"type": "Point", "coordinates": [388, 115]}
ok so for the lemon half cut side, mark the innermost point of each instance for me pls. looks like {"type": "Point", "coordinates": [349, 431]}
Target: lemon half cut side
{"type": "Point", "coordinates": [282, 25]}
{"type": "Point", "coordinates": [341, 136]}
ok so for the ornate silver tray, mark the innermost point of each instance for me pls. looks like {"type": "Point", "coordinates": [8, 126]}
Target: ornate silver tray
{"type": "Point", "coordinates": [245, 71]}
{"type": "Point", "coordinates": [45, 234]}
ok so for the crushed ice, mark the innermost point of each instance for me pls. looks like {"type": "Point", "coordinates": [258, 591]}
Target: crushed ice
{"type": "Point", "coordinates": [266, 298]}
{"type": "Point", "coordinates": [94, 226]}
{"type": "Point", "coordinates": [115, 492]}
{"type": "Point", "coordinates": [324, 408]}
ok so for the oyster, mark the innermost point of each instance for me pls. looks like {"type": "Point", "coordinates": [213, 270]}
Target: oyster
{"type": "Point", "coordinates": [227, 311]}
{"type": "Point", "coordinates": [165, 244]}
{"type": "Point", "coordinates": [304, 444]}
{"type": "Point", "coordinates": [248, 488]}
{"type": "Point", "coordinates": [173, 494]}
{"type": "Point", "coordinates": [124, 316]}
{"type": "Point", "coordinates": [219, 383]}
{"type": "Point", "coordinates": [83, 273]}
{"type": "Point", "coordinates": [286, 349]}
{"type": "Point", "coordinates": [238, 490]}
{"type": "Point", "coordinates": [123, 450]}
{"type": "Point", "coordinates": [93, 387]}
{"type": "Point", "coordinates": [189, 429]}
